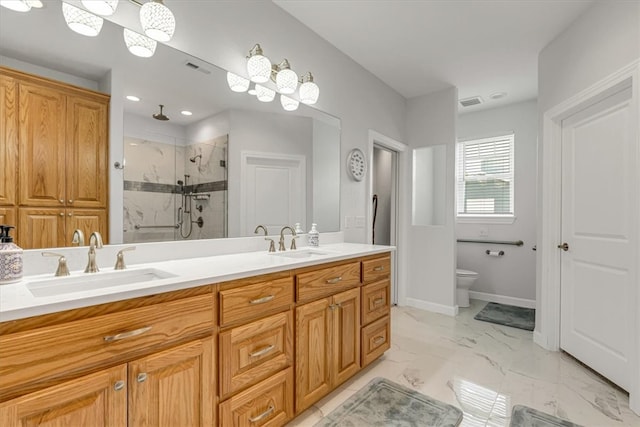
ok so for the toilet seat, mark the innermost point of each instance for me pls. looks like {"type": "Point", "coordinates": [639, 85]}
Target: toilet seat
{"type": "Point", "coordinates": [465, 273]}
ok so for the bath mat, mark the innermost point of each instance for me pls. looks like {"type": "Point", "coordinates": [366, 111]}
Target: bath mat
{"type": "Point", "coordinates": [523, 416]}
{"type": "Point", "coordinates": [383, 403]}
{"type": "Point", "coordinates": [508, 315]}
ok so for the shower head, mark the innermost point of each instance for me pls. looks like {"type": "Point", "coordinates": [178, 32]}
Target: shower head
{"type": "Point", "coordinates": [193, 159]}
{"type": "Point", "coordinates": [160, 116]}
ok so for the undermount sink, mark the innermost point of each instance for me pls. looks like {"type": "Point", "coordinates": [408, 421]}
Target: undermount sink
{"type": "Point", "coordinates": [302, 253]}
{"type": "Point", "coordinates": [92, 281]}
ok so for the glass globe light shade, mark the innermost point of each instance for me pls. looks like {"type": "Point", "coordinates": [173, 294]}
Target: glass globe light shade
{"type": "Point", "coordinates": [259, 68]}
{"type": "Point", "coordinates": [101, 7]}
{"type": "Point", "coordinates": [237, 83]}
{"type": "Point", "coordinates": [138, 44]}
{"type": "Point", "coordinates": [157, 21]}
{"type": "Point", "coordinates": [81, 21]}
{"type": "Point", "coordinates": [264, 94]}
{"type": "Point", "coordinates": [287, 81]}
{"type": "Point", "coordinates": [309, 93]}
{"type": "Point", "coordinates": [289, 104]}
{"type": "Point", "coordinates": [35, 3]}
{"type": "Point", "coordinates": [16, 5]}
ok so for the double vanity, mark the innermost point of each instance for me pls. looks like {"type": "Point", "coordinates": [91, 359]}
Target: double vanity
{"type": "Point", "coordinates": [246, 339]}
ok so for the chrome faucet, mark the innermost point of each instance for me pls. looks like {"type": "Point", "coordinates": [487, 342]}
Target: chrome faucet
{"type": "Point", "coordinates": [293, 241]}
{"type": "Point", "coordinates": [78, 237]}
{"type": "Point", "coordinates": [272, 245]}
{"type": "Point", "coordinates": [95, 242]}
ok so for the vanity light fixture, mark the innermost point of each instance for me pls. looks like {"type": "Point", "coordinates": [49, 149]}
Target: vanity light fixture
{"type": "Point", "coordinates": [157, 20]}
{"type": "Point", "coordinates": [101, 7]}
{"type": "Point", "coordinates": [17, 5]}
{"type": "Point", "coordinates": [286, 79]}
{"type": "Point", "coordinates": [81, 21]}
{"type": "Point", "coordinates": [237, 83]}
{"type": "Point", "coordinates": [36, 3]}
{"type": "Point", "coordinates": [289, 104]}
{"type": "Point", "coordinates": [186, 113]}
{"type": "Point", "coordinates": [264, 94]}
{"type": "Point", "coordinates": [133, 98]}
{"type": "Point", "coordinates": [138, 44]}
{"type": "Point", "coordinates": [309, 91]}
{"type": "Point", "coordinates": [258, 65]}
{"type": "Point", "coordinates": [252, 91]}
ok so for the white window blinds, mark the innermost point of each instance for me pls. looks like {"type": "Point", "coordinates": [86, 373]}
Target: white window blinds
{"type": "Point", "coordinates": [484, 175]}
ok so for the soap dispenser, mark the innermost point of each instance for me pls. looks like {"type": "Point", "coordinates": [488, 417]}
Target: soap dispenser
{"type": "Point", "coordinates": [10, 257]}
{"type": "Point", "coordinates": [313, 236]}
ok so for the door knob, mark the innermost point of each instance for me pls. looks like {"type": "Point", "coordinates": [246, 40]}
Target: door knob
{"type": "Point", "coordinates": [564, 247]}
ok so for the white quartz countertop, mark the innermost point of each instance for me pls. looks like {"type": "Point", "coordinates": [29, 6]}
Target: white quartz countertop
{"type": "Point", "coordinates": [21, 300]}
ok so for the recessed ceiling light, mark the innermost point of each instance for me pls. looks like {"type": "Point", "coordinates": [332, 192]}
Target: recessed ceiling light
{"type": "Point", "coordinates": [186, 113]}
{"type": "Point", "coordinates": [133, 98]}
{"type": "Point", "coordinates": [498, 95]}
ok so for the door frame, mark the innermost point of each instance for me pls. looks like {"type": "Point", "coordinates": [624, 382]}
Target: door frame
{"type": "Point", "coordinates": [398, 284]}
{"type": "Point", "coordinates": [547, 331]}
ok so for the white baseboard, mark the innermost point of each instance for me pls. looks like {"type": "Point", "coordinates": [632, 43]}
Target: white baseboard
{"type": "Point", "coordinates": [539, 339]}
{"type": "Point", "coordinates": [502, 299]}
{"type": "Point", "coordinates": [449, 310]}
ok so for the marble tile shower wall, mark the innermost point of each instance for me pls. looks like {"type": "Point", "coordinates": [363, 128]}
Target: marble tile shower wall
{"type": "Point", "coordinates": [152, 195]}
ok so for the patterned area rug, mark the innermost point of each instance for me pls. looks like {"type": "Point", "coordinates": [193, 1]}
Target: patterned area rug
{"type": "Point", "coordinates": [383, 403]}
{"type": "Point", "coordinates": [508, 315]}
{"type": "Point", "coordinates": [523, 416]}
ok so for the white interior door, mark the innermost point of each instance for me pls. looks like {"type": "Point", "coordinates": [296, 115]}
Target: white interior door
{"type": "Point", "coordinates": [272, 191]}
{"type": "Point", "coordinates": [598, 271]}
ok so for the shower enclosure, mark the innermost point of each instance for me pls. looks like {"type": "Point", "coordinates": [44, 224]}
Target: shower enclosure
{"type": "Point", "coordinates": [174, 189]}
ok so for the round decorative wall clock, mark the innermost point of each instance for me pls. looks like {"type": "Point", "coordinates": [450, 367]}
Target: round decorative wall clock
{"type": "Point", "coordinates": [356, 164]}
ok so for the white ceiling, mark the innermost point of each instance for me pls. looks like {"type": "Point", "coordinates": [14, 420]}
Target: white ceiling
{"type": "Point", "coordinates": [418, 47]}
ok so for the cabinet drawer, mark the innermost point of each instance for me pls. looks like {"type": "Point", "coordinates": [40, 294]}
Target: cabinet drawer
{"type": "Point", "coordinates": [327, 281]}
{"type": "Point", "coordinates": [375, 301]}
{"type": "Point", "coordinates": [267, 404]}
{"type": "Point", "coordinates": [253, 352]}
{"type": "Point", "coordinates": [252, 301]}
{"type": "Point", "coordinates": [376, 269]}
{"type": "Point", "coordinates": [375, 340]}
{"type": "Point", "coordinates": [40, 357]}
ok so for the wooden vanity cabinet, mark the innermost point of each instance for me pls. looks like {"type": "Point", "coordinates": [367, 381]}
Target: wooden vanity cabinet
{"type": "Point", "coordinates": [376, 307]}
{"type": "Point", "coordinates": [55, 146]}
{"type": "Point", "coordinates": [255, 376]}
{"type": "Point", "coordinates": [142, 362]}
{"type": "Point", "coordinates": [327, 333]}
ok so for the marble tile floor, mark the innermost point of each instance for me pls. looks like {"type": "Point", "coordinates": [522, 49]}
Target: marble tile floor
{"type": "Point", "coordinates": [484, 369]}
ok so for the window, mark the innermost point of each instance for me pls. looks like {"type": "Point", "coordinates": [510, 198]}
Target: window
{"type": "Point", "coordinates": [484, 175]}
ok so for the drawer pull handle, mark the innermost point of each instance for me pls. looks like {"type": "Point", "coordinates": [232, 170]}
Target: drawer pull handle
{"type": "Point", "coordinates": [263, 415]}
{"type": "Point", "coordinates": [119, 385]}
{"type": "Point", "coordinates": [334, 280]}
{"type": "Point", "coordinates": [378, 301]}
{"type": "Point", "coordinates": [128, 334]}
{"type": "Point", "coordinates": [378, 340]}
{"type": "Point", "coordinates": [262, 351]}
{"type": "Point", "coordinates": [142, 377]}
{"type": "Point", "coordinates": [379, 268]}
{"type": "Point", "coordinates": [262, 300]}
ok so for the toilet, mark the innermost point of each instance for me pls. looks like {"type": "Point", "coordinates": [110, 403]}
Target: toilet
{"type": "Point", "coordinates": [464, 280]}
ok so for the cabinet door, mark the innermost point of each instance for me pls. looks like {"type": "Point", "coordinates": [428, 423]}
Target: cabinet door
{"type": "Point", "coordinates": [87, 220]}
{"type": "Point", "coordinates": [41, 146]}
{"type": "Point", "coordinates": [41, 227]}
{"type": "Point", "coordinates": [346, 336]}
{"type": "Point", "coordinates": [98, 399]}
{"type": "Point", "coordinates": [313, 329]}
{"type": "Point", "coordinates": [174, 387]}
{"type": "Point", "coordinates": [86, 153]}
{"type": "Point", "coordinates": [8, 141]}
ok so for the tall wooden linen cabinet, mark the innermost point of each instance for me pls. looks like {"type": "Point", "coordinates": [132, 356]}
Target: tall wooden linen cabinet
{"type": "Point", "coordinates": [54, 152]}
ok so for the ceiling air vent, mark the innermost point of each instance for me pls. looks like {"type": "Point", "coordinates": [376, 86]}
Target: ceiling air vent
{"type": "Point", "coordinates": [469, 102]}
{"type": "Point", "coordinates": [194, 66]}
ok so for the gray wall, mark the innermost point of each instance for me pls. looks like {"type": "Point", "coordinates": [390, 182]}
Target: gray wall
{"type": "Point", "coordinates": [512, 275]}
